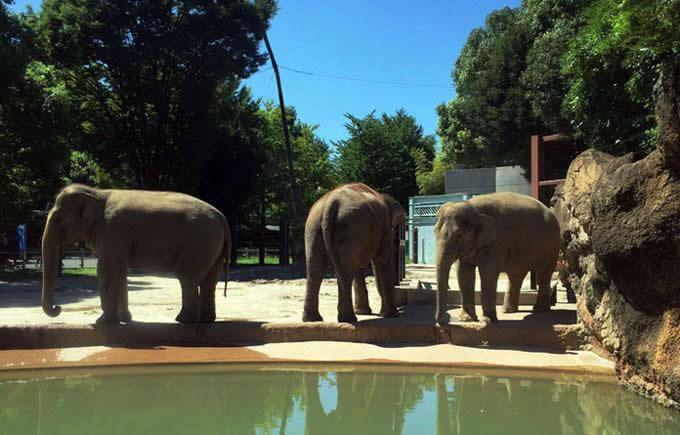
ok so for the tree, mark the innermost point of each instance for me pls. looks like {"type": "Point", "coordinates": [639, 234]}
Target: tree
{"type": "Point", "coordinates": [146, 76]}
{"type": "Point", "coordinates": [34, 123]}
{"type": "Point", "coordinates": [489, 122]}
{"type": "Point", "coordinates": [312, 170]}
{"type": "Point", "coordinates": [430, 175]}
{"type": "Point", "coordinates": [383, 152]}
{"type": "Point", "coordinates": [614, 63]}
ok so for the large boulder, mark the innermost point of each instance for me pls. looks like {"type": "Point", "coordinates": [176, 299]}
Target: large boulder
{"type": "Point", "coordinates": [620, 221]}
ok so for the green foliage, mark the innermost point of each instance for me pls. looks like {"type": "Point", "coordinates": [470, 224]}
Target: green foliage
{"type": "Point", "coordinates": [430, 175]}
{"type": "Point", "coordinates": [146, 76]}
{"type": "Point", "coordinates": [614, 63]}
{"type": "Point", "coordinates": [490, 120]}
{"type": "Point", "coordinates": [312, 168]}
{"type": "Point", "coordinates": [34, 124]}
{"type": "Point", "coordinates": [383, 152]}
{"type": "Point", "coordinates": [585, 68]}
{"type": "Point", "coordinates": [129, 94]}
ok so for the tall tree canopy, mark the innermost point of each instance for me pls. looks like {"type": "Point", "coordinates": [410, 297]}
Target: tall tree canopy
{"type": "Point", "coordinates": [490, 120]}
{"type": "Point", "coordinates": [585, 68]}
{"type": "Point", "coordinates": [383, 151]}
{"type": "Point", "coordinates": [34, 123]}
{"type": "Point", "coordinates": [147, 76]}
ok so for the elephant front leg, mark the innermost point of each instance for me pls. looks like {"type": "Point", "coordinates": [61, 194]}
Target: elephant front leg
{"type": "Point", "coordinates": [384, 279]}
{"type": "Point", "coordinates": [466, 283]}
{"type": "Point", "coordinates": [112, 277]}
{"type": "Point", "coordinates": [489, 277]}
{"type": "Point", "coordinates": [361, 305]}
{"type": "Point", "coordinates": [444, 261]}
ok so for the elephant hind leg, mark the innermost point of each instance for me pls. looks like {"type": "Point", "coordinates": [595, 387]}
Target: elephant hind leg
{"type": "Point", "coordinates": [361, 305]}
{"type": "Point", "coordinates": [190, 312]}
{"type": "Point", "coordinates": [345, 308]}
{"type": "Point", "coordinates": [544, 290]}
{"type": "Point", "coordinates": [316, 261]}
{"type": "Point", "coordinates": [207, 292]}
{"type": "Point", "coordinates": [511, 300]}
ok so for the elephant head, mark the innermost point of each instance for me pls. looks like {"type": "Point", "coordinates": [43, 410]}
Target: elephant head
{"type": "Point", "coordinates": [74, 217]}
{"type": "Point", "coordinates": [461, 231]}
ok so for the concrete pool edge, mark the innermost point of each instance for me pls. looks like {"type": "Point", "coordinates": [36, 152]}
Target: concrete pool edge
{"type": "Point", "coordinates": [232, 333]}
{"type": "Point", "coordinates": [307, 356]}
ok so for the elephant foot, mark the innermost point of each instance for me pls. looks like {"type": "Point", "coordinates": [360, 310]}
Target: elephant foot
{"type": "Point", "coordinates": [510, 309]}
{"type": "Point", "coordinates": [468, 315]}
{"type": "Point", "coordinates": [208, 317]}
{"type": "Point", "coordinates": [362, 310]}
{"type": "Point", "coordinates": [489, 318]}
{"type": "Point", "coordinates": [443, 318]}
{"type": "Point", "coordinates": [312, 317]}
{"type": "Point", "coordinates": [126, 317]}
{"type": "Point", "coordinates": [185, 317]}
{"type": "Point", "coordinates": [107, 319]}
{"type": "Point", "coordinates": [347, 318]}
{"type": "Point", "coordinates": [541, 308]}
{"type": "Point", "coordinates": [389, 312]}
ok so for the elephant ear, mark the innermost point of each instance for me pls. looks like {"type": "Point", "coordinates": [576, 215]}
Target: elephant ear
{"type": "Point", "coordinates": [397, 212]}
{"type": "Point", "coordinates": [486, 231]}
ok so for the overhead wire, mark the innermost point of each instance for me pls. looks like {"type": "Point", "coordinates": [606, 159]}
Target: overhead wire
{"type": "Point", "coordinates": [356, 79]}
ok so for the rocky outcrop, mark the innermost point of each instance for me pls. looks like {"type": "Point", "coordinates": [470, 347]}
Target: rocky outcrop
{"type": "Point", "coordinates": [620, 222]}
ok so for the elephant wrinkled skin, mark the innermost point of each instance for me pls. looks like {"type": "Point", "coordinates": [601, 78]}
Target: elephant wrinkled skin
{"type": "Point", "coordinates": [350, 227]}
{"type": "Point", "coordinates": [498, 232]}
{"type": "Point", "coordinates": [154, 231]}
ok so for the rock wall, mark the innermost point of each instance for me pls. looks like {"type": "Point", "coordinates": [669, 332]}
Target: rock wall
{"type": "Point", "coordinates": [620, 220]}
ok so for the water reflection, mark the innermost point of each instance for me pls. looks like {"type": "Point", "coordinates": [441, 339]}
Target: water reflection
{"type": "Point", "coordinates": [353, 402]}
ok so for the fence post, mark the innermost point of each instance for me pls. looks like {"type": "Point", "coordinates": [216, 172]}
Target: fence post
{"type": "Point", "coordinates": [82, 258]}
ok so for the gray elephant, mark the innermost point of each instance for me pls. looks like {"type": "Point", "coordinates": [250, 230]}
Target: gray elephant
{"type": "Point", "coordinates": [350, 227]}
{"type": "Point", "coordinates": [154, 231]}
{"type": "Point", "coordinates": [499, 232]}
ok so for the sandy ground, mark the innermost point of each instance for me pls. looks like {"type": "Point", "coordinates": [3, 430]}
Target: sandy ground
{"type": "Point", "coordinates": [271, 294]}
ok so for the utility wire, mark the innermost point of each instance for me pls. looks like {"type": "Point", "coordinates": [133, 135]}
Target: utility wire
{"type": "Point", "coordinates": [355, 79]}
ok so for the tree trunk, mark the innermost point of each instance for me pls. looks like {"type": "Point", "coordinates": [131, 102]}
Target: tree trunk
{"type": "Point", "coordinates": [263, 230]}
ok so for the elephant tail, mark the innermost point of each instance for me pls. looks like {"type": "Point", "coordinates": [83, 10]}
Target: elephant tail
{"type": "Point", "coordinates": [226, 255]}
{"type": "Point", "coordinates": [328, 223]}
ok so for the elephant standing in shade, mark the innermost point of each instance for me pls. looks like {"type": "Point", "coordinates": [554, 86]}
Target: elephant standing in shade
{"type": "Point", "coordinates": [499, 232]}
{"type": "Point", "coordinates": [153, 231]}
{"type": "Point", "coordinates": [351, 226]}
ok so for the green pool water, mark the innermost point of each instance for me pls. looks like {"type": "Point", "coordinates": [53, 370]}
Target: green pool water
{"type": "Point", "coordinates": [297, 401]}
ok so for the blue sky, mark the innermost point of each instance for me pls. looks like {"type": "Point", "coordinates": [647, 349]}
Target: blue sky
{"type": "Point", "coordinates": [412, 43]}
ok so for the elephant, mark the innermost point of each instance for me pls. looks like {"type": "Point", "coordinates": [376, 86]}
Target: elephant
{"type": "Point", "coordinates": [152, 231]}
{"type": "Point", "coordinates": [351, 226]}
{"type": "Point", "coordinates": [497, 232]}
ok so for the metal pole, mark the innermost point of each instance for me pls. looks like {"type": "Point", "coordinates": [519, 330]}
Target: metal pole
{"type": "Point", "coordinates": [294, 194]}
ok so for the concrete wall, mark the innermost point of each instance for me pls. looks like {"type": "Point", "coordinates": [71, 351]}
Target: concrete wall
{"type": "Point", "coordinates": [471, 181]}
{"type": "Point", "coordinates": [487, 180]}
{"type": "Point", "coordinates": [510, 179]}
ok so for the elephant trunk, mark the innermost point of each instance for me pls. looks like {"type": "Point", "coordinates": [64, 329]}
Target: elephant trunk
{"type": "Point", "coordinates": [444, 260]}
{"type": "Point", "coordinates": [51, 249]}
